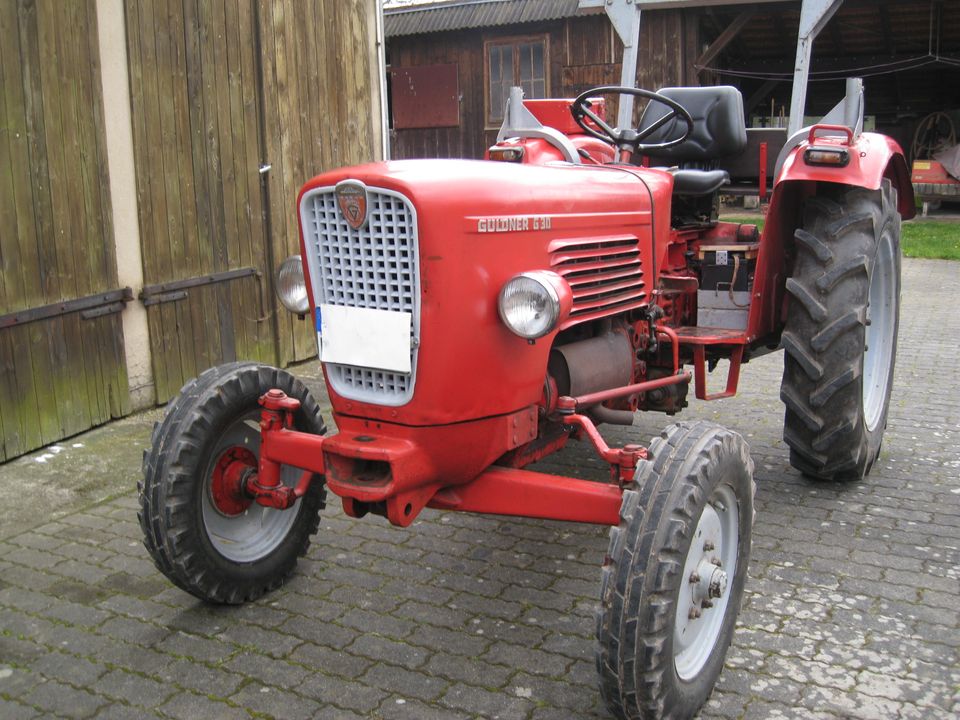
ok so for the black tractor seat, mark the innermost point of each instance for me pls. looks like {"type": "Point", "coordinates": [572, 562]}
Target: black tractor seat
{"type": "Point", "coordinates": [699, 182]}
{"type": "Point", "coordinates": [719, 131]}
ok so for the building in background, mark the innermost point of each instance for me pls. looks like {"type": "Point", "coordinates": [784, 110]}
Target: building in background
{"type": "Point", "coordinates": [449, 60]}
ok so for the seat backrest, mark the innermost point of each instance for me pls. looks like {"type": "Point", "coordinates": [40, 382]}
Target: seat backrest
{"type": "Point", "coordinates": [718, 131]}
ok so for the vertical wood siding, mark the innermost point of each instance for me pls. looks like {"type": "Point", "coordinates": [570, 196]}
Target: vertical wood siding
{"type": "Point", "coordinates": [64, 374]}
{"type": "Point", "coordinates": [220, 87]}
{"type": "Point", "coordinates": [584, 52]}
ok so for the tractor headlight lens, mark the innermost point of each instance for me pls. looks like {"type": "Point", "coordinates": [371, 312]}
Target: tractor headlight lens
{"type": "Point", "coordinates": [291, 286]}
{"type": "Point", "coordinates": [529, 305]}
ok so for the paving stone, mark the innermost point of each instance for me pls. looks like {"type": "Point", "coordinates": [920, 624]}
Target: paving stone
{"type": "Point", "coordinates": [471, 671]}
{"type": "Point", "coordinates": [134, 631]}
{"type": "Point", "coordinates": [321, 633]}
{"type": "Point", "coordinates": [850, 608]}
{"type": "Point", "coordinates": [485, 703]}
{"type": "Point", "coordinates": [379, 623]}
{"type": "Point", "coordinates": [330, 661]}
{"type": "Point", "coordinates": [275, 702]}
{"type": "Point", "coordinates": [405, 683]}
{"type": "Point", "coordinates": [197, 648]}
{"type": "Point", "coordinates": [528, 659]}
{"type": "Point", "coordinates": [403, 708]}
{"type": "Point", "coordinates": [336, 692]}
{"type": "Point", "coordinates": [60, 699]}
{"type": "Point", "coordinates": [271, 642]}
{"type": "Point", "coordinates": [267, 670]}
{"type": "Point", "coordinates": [133, 689]}
{"type": "Point", "coordinates": [67, 669]}
{"type": "Point", "coordinates": [191, 706]}
{"type": "Point", "coordinates": [12, 710]}
{"type": "Point", "coordinates": [212, 682]}
{"type": "Point", "coordinates": [17, 682]}
{"type": "Point", "coordinates": [383, 649]}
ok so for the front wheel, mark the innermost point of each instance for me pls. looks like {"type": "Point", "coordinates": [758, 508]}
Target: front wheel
{"type": "Point", "coordinates": [201, 529]}
{"type": "Point", "coordinates": [675, 572]}
{"type": "Point", "coordinates": [840, 337]}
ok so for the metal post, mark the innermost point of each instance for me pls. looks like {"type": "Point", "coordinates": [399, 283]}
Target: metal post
{"type": "Point", "coordinates": [625, 17]}
{"type": "Point", "coordinates": [814, 15]}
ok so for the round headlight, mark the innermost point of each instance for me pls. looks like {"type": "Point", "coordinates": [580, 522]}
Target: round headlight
{"type": "Point", "coordinates": [529, 305]}
{"type": "Point", "coordinates": [291, 287]}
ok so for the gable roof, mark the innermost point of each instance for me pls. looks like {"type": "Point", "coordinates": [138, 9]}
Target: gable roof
{"type": "Point", "coordinates": [414, 18]}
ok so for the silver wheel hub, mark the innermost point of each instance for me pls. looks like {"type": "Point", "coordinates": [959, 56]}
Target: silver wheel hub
{"type": "Point", "coordinates": [256, 531]}
{"type": "Point", "coordinates": [704, 596]}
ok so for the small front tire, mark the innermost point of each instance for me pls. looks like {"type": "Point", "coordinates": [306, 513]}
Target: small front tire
{"type": "Point", "coordinates": [675, 572]}
{"type": "Point", "coordinates": [199, 528]}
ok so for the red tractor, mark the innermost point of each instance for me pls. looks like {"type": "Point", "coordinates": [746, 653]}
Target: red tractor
{"type": "Point", "coordinates": [475, 316]}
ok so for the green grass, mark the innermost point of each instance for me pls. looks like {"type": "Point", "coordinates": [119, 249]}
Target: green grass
{"type": "Point", "coordinates": [935, 239]}
{"type": "Point", "coordinates": [932, 239]}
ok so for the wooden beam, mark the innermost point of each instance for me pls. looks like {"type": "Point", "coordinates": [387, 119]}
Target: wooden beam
{"type": "Point", "coordinates": [758, 95]}
{"type": "Point", "coordinates": [717, 46]}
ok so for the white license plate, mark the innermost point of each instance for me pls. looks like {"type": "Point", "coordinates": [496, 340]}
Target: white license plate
{"type": "Point", "coordinates": [362, 337]}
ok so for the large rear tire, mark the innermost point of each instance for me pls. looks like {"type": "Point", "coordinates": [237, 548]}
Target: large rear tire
{"type": "Point", "coordinates": [840, 338]}
{"type": "Point", "coordinates": [673, 579]}
{"type": "Point", "coordinates": [201, 532]}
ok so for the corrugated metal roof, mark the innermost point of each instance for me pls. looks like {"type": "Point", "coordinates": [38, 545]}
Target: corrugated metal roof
{"type": "Point", "coordinates": [463, 14]}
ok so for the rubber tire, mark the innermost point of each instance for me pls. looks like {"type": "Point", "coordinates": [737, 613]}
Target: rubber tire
{"type": "Point", "coordinates": [824, 337]}
{"type": "Point", "coordinates": [641, 576]}
{"type": "Point", "coordinates": [170, 493]}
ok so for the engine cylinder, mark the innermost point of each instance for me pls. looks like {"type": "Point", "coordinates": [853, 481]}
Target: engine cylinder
{"type": "Point", "coordinates": [588, 366]}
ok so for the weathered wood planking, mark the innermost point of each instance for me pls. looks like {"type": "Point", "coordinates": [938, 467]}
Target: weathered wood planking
{"type": "Point", "coordinates": [583, 52]}
{"type": "Point", "coordinates": [61, 375]}
{"type": "Point", "coordinates": [319, 68]}
{"type": "Point", "coordinates": [209, 106]}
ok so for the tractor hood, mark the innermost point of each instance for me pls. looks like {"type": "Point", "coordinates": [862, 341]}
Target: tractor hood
{"type": "Point", "coordinates": [460, 230]}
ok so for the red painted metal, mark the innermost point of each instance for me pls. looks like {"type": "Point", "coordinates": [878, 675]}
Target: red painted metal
{"type": "Point", "coordinates": [463, 268]}
{"type": "Point", "coordinates": [507, 491]}
{"type": "Point", "coordinates": [700, 373]}
{"type": "Point", "coordinates": [556, 113]}
{"type": "Point", "coordinates": [671, 335]}
{"type": "Point", "coordinates": [227, 481]}
{"type": "Point", "coordinates": [616, 393]}
{"type": "Point", "coordinates": [623, 461]}
{"type": "Point", "coordinates": [478, 224]}
{"type": "Point", "coordinates": [763, 171]}
{"type": "Point", "coordinates": [873, 157]}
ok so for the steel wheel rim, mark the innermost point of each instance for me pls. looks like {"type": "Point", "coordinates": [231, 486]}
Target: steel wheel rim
{"type": "Point", "coordinates": [695, 635]}
{"type": "Point", "coordinates": [879, 335]}
{"type": "Point", "coordinates": [257, 531]}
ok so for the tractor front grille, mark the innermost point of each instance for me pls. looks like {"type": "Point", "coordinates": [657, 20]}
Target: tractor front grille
{"type": "Point", "coordinates": [376, 267]}
{"type": "Point", "coordinates": [605, 274]}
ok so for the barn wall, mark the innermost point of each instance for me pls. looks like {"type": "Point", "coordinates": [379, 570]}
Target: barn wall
{"type": "Point", "coordinates": [235, 106]}
{"type": "Point", "coordinates": [584, 52]}
{"type": "Point", "coordinates": [61, 341]}
{"type": "Point", "coordinates": [132, 198]}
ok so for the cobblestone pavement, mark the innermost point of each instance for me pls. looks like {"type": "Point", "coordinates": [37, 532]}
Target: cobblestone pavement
{"type": "Point", "coordinates": [851, 606]}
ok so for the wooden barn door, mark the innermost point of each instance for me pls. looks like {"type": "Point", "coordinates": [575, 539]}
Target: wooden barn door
{"type": "Point", "coordinates": [193, 82]}
{"type": "Point", "coordinates": [236, 103]}
{"type": "Point", "coordinates": [62, 367]}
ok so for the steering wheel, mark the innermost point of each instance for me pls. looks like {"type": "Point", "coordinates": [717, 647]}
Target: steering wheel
{"type": "Point", "coordinates": [630, 139]}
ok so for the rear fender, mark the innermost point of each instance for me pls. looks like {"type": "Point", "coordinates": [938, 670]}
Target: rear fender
{"type": "Point", "coordinates": [873, 157]}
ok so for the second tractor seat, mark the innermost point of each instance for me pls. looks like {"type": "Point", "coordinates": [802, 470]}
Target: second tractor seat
{"type": "Point", "coordinates": [719, 131]}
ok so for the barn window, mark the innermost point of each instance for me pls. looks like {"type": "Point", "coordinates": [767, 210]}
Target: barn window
{"type": "Point", "coordinates": [514, 61]}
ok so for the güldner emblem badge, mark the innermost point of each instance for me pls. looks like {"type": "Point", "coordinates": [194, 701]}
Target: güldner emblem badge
{"type": "Point", "coordinates": [352, 199]}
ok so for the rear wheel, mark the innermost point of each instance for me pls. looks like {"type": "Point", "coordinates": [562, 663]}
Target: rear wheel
{"type": "Point", "coordinates": [675, 572]}
{"type": "Point", "coordinates": [202, 530]}
{"type": "Point", "coordinates": [840, 338]}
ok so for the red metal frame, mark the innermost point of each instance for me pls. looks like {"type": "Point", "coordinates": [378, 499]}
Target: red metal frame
{"type": "Point", "coordinates": [438, 449]}
{"type": "Point", "coordinates": [499, 490]}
